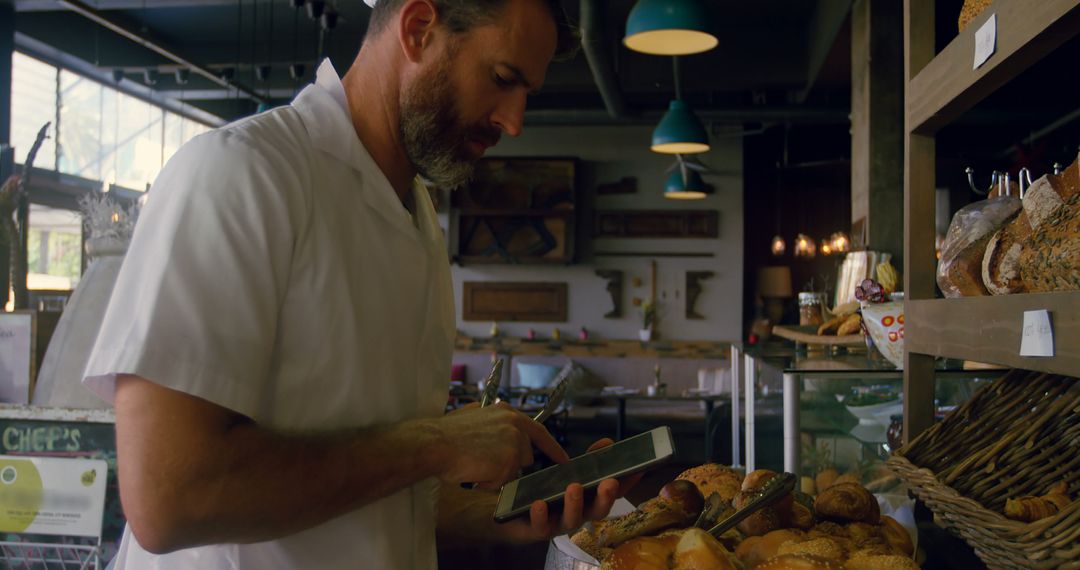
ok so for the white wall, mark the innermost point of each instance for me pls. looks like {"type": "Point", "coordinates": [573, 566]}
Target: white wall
{"type": "Point", "coordinates": [608, 154]}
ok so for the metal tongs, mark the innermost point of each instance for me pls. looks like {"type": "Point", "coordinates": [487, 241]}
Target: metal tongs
{"type": "Point", "coordinates": [491, 385]}
{"type": "Point", "coordinates": [775, 489]}
{"type": "Point", "coordinates": [558, 393]}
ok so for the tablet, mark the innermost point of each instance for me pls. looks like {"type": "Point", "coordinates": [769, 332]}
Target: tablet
{"type": "Point", "coordinates": [549, 485]}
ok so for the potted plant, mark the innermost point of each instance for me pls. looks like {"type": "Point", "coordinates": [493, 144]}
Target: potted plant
{"type": "Point", "coordinates": [648, 319]}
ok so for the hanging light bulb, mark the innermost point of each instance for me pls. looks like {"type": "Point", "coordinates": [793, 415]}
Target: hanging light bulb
{"type": "Point", "coordinates": [778, 247]}
{"type": "Point", "coordinates": [685, 184]}
{"type": "Point", "coordinates": [826, 248]}
{"type": "Point", "coordinates": [804, 246]}
{"type": "Point", "coordinates": [840, 242]}
{"type": "Point", "coordinates": [680, 132]}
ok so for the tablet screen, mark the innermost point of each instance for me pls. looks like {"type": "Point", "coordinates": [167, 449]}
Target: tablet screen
{"type": "Point", "coordinates": [589, 468]}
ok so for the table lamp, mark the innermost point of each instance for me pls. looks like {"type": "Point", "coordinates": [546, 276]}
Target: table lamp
{"type": "Point", "coordinates": [774, 285]}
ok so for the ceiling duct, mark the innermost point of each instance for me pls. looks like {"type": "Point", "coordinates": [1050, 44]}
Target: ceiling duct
{"type": "Point", "coordinates": [597, 50]}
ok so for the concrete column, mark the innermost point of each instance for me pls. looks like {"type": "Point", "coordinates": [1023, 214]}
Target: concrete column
{"type": "Point", "coordinates": [7, 46]}
{"type": "Point", "coordinates": [877, 125]}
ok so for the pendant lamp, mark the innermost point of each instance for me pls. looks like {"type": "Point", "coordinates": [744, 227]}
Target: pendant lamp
{"type": "Point", "coordinates": [670, 27]}
{"type": "Point", "coordinates": [680, 131]}
{"type": "Point", "coordinates": [685, 184]}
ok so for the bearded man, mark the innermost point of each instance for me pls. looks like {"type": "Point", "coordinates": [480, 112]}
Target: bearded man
{"type": "Point", "coordinates": [278, 343]}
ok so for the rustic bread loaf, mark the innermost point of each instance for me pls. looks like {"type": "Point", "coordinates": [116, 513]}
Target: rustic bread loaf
{"type": "Point", "coordinates": [960, 268]}
{"type": "Point", "coordinates": [1051, 260]}
{"type": "Point", "coordinates": [1001, 261]}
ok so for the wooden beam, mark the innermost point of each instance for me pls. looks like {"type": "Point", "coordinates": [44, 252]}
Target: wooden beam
{"type": "Point", "coordinates": [55, 5]}
{"type": "Point", "coordinates": [1027, 30]}
{"type": "Point", "coordinates": [825, 26]}
{"type": "Point", "coordinates": [877, 124]}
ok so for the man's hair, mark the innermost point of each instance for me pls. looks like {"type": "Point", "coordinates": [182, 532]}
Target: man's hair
{"type": "Point", "coordinates": [459, 16]}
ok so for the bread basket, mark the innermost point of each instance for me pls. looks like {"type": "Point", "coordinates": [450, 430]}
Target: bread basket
{"type": "Point", "coordinates": [1016, 437]}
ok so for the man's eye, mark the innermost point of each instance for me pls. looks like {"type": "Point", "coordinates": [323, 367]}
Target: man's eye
{"type": "Point", "coordinates": [502, 81]}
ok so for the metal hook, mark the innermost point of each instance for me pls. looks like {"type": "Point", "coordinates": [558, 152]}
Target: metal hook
{"type": "Point", "coordinates": [971, 181]}
{"type": "Point", "coordinates": [1023, 175]}
{"type": "Point", "coordinates": [1004, 184]}
{"type": "Point", "coordinates": [1057, 168]}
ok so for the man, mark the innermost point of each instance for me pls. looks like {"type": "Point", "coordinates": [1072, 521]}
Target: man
{"type": "Point", "coordinates": [279, 339]}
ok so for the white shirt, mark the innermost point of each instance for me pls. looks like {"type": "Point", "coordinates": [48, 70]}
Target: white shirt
{"type": "Point", "coordinates": [275, 272]}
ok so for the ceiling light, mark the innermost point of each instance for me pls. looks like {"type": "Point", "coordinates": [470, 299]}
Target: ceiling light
{"type": "Point", "coordinates": [778, 247]}
{"type": "Point", "coordinates": [685, 185]}
{"type": "Point", "coordinates": [670, 27]}
{"type": "Point", "coordinates": [680, 132]}
{"type": "Point", "coordinates": [804, 246]}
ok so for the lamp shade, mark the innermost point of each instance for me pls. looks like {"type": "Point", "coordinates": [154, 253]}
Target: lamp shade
{"type": "Point", "coordinates": [680, 132]}
{"type": "Point", "coordinates": [670, 27]}
{"type": "Point", "coordinates": [774, 281]}
{"type": "Point", "coordinates": [685, 187]}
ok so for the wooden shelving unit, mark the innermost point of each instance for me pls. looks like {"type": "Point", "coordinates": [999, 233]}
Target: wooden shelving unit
{"type": "Point", "coordinates": [940, 88]}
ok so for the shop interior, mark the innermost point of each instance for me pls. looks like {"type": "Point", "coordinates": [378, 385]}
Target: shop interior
{"type": "Point", "coordinates": [836, 239]}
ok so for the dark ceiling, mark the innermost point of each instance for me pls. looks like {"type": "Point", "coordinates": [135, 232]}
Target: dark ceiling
{"type": "Point", "coordinates": [777, 60]}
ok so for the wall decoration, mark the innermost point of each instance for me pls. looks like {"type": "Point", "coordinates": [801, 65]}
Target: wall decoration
{"type": "Point", "coordinates": [514, 301]}
{"type": "Point", "coordinates": [517, 210]}
{"type": "Point", "coordinates": [627, 185]}
{"type": "Point", "coordinates": [657, 224]}
{"type": "Point", "coordinates": [614, 288]}
{"type": "Point", "coordinates": [693, 289]}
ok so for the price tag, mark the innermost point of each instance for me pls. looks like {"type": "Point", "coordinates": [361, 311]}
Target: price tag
{"type": "Point", "coordinates": [1038, 334]}
{"type": "Point", "coordinates": [985, 41]}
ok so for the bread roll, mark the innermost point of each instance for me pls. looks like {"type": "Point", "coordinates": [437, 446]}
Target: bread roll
{"type": "Point", "coordinates": [1030, 509]}
{"type": "Point", "coordinates": [888, 562]}
{"type": "Point", "coordinates": [698, 550]}
{"type": "Point", "coordinates": [848, 477]}
{"type": "Point", "coordinates": [757, 549]}
{"type": "Point", "coordinates": [801, 517]}
{"type": "Point", "coordinates": [643, 553]}
{"type": "Point", "coordinates": [823, 547]}
{"type": "Point", "coordinates": [847, 502]}
{"type": "Point", "coordinates": [714, 478]}
{"type": "Point", "coordinates": [825, 479]}
{"type": "Point", "coordinates": [851, 325]}
{"type": "Point", "coordinates": [757, 479]}
{"type": "Point", "coordinates": [800, 562]}
{"type": "Point", "coordinates": [897, 536]}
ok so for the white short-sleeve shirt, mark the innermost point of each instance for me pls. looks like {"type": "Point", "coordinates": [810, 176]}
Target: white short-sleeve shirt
{"type": "Point", "coordinates": [275, 272]}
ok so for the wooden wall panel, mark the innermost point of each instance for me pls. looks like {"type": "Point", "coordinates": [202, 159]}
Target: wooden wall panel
{"type": "Point", "coordinates": [514, 301]}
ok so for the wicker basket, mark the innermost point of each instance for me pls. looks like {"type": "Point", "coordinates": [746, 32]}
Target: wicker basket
{"type": "Point", "coordinates": [1016, 437]}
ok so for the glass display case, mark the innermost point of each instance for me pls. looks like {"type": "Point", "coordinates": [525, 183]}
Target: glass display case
{"type": "Point", "coordinates": [842, 413]}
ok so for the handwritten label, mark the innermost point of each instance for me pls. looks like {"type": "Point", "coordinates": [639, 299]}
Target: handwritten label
{"type": "Point", "coordinates": [985, 41]}
{"type": "Point", "coordinates": [1038, 334]}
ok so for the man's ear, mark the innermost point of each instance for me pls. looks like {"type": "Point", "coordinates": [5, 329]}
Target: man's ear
{"type": "Point", "coordinates": [415, 27]}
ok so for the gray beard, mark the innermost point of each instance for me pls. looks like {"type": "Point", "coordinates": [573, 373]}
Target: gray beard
{"type": "Point", "coordinates": [431, 134]}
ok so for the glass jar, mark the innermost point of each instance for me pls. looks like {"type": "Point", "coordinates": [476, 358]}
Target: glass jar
{"type": "Point", "coordinates": [811, 309]}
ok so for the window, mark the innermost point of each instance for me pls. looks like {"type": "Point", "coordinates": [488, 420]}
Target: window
{"type": "Point", "coordinates": [54, 248]}
{"type": "Point", "coordinates": [33, 103]}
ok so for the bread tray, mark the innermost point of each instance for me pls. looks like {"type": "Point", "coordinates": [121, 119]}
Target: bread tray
{"type": "Point", "coordinates": [808, 335]}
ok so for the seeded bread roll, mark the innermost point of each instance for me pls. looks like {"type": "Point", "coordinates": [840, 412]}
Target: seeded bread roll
{"type": "Point", "coordinates": [847, 502]}
{"type": "Point", "coordinates": [800, 562]}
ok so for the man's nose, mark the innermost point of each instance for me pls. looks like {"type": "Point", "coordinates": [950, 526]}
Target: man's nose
{"type": "Point", "coordinates": [509, 116]}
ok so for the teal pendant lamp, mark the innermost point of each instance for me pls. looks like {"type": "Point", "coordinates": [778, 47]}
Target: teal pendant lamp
{"type": "Point", "coordinates": [685, 184]}
{"type": "Point", "coordinates": [680, 132]}
{"type": "Point", "coordinates": [670, 27]}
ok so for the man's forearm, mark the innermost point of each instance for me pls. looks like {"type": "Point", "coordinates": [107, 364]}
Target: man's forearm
{"type": "Point", "coordinates": [466, 517]}
{"type": "Point", "coordinates": [190, 476]}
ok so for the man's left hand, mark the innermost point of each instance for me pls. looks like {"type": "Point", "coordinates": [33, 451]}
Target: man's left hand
{"type": "Point", "coordinates": [543, 524]}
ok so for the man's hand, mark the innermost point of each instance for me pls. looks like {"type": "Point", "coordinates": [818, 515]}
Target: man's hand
{"type": "Point", "coordinates": [490, 445]}
{"type": "Point", "coordinates": [544, 525]}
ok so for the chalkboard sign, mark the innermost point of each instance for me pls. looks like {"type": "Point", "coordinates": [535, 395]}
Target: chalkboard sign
{"type": "Point", "coordinates": [56, 432]}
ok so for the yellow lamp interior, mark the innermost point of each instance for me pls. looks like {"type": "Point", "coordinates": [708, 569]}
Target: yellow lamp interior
{"type": "Point", "coordinates": [671, 42]}
{"type": "Point", "coordinates": [680, 148]}
{"type": "Point", "coordinates": [685, 195]}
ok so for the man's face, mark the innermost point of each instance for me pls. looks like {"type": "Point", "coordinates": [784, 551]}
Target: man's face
{"type": "Point", "coordinates": [474, 89]}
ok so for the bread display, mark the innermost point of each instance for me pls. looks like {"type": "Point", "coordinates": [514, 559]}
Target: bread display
{"type": "Point", "coordinates": [960, 268]}
{"type": "Point", "coordinates": [850, 532]}
{"type": "Point", "coordinates": [1001, 260]}
{"type": "Point", "coordinates": [1052, 262]}
{"type": "Point", "coordinates": [847, 502]}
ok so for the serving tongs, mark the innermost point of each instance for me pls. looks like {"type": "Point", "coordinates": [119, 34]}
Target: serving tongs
{"type": "Point", "coordinates": [556, 396]}
{"type": "Point", "coordinates": [773, 491]}
{"type": "Point", "coordinates": [491, 385]}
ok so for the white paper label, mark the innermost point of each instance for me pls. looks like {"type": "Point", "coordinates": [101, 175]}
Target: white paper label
{"type": "Point", "coordinates": [985, 41]}
{"type": "Point", "coordinates": [1038, 335]}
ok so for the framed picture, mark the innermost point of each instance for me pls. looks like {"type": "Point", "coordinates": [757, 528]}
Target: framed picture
{"type": "Point", "coordinates": [18, 348]}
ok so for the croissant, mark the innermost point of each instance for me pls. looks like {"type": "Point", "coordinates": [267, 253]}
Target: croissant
{"type": "Point", "coordinates": [1031, 509]}
{"type": "Point", "coordinates": [847, 502]}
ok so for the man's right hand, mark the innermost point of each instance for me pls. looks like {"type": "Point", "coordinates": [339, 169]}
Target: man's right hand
{"type": "Point", "coordinates": [490, 445]}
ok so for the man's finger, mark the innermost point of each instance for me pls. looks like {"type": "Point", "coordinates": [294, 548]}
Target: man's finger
{"type": "Point", "coordinates": [525, 450]}
{"type": "Point", "coordinates": [573, 506]}
{"type": "Point", "coordinates": [601, 443]}
{"type": "Point", "coordinates": [543, 440]}
{"type": "Point", "coordinates": [606, 494]}
{"type": "Point", "coordinates": [538, 519]}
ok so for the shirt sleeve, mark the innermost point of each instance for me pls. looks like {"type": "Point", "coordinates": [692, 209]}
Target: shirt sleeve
{"type": "Point", "coordinates": [196, 302]}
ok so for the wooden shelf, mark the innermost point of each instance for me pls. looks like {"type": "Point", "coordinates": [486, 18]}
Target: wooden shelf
{"type": "Point", "coordinates": [988, 329]}
{"type": "Point", "coordinates": [1027, 30]}
{"type": "Point", "coordinates": [496, 260]}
